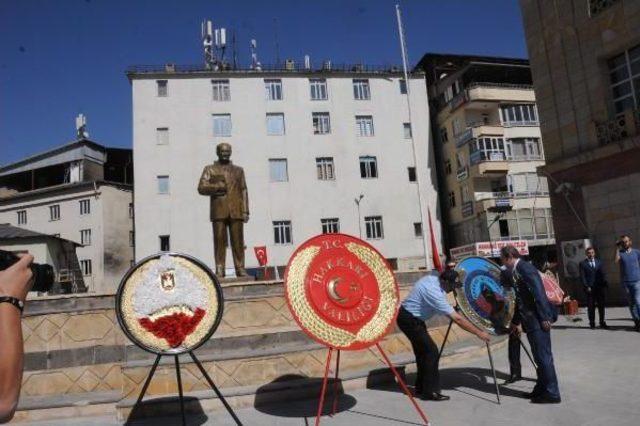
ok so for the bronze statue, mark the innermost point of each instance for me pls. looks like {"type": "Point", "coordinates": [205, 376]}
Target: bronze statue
{"type": "Point", "coordinates": [229, 207]}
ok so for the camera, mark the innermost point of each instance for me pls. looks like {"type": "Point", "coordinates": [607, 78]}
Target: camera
{"type": "Point", "coordinates": [43, 275]}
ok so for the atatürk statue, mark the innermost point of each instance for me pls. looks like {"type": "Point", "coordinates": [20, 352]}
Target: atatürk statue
{"type": "Point", "coordinates": [225, 184]}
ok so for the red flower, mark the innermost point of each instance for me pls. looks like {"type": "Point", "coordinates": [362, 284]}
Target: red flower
{"type": "Point", "coordinates": [173, 328]}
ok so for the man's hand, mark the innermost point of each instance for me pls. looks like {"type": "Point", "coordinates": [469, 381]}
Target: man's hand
{"type": "Point", "coordinates": [516, 330]}
{"type": "Point", "coordinates": [15, 281]}
{"type": "Point", "coordinates": [546, 325]}
{"type": "Point", "coordinates": [484, 336]}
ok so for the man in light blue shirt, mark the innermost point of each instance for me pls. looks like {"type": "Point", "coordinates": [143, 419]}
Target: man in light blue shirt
{"type": "Point", "coordinates": [629, 260]}
{"type": "Point", "coordinates": [427, 299]}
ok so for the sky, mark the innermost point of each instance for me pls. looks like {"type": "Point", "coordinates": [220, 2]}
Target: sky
{"type": "Point", "coordinates": [59, 58]}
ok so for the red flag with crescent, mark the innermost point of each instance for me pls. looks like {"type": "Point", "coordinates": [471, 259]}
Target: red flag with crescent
{"type": "Point", "coordinates": [261, 254]}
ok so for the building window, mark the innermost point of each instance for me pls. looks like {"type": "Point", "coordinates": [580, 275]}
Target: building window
{"type": "Point", "coordinates": [162, 86]}
{"type": "Point", "coordinates": [488, 148]}
{"type": "Point", "coordinates": [132, 238]}
{"type": "Point", "coordinates": [364, 125]}
{"type": "Point", "coordinates": [318, 87]}
{"type": "Point", "coordinates": [368, 167]}
{"type": "Point", "coordinates": [282, 232]}
{"type": "Point", "coordinates": [273, 90]}
{"type": "Point", "coordinates": [275, 124]}
{"type": "Point", "coordinates": [412, 174]}
{"type": "Point", "coordinates": [464, 194]}
{"type": "Point", "coordinates": [85, 266]}
{"type": "Point", "coordinates": [624, 73]}
{"type": "Point", "coordinates": [403, 86]}
{"type": "Point", "coordinates": [321, 123]}
{"type": "Point", "coordinates": [361, 90]}
{"type": "Point", "coordinates": [373, 225]}
{"type": "Point", "coordinates": [325, 168]}
{"type": "Point", "coordinates": [162, 136]}
{"type": "Point", "coordinates": [22, 217]}
{"type": "Point", "coordinates": [85, 207]}
{"type": "Point", "coordinates": [519, 115]}
{"type": "Point", "coordinates": [444, 137]}
{"type": "Point", "coordinates": [527, 184]}
{"type": "Point", "coordinates": [447, 167]}
{"type": "Point", "coordinates": [522, 149]}
{"type": "Point", "coordinates": [417, 229]}
{"type": "Point", "coordinates": [452, 199]}
{"type": "Point", "coordinates": [221, 90]}
{"type": "Point", "coordinates": [278, 170]}
{"type": "Point", "coordinates": [222, 125]}
{"type": "Point", "coordinates": [163, 184]}
{"type": "Point", "coordinates": [165, 243]}
{"type": "Point", "coordinates": [406, 129]}
{"type": "Point", "coordinates": [330, 226]}
{"type": "Point", "coordinates": [597, 6]}
{"type": "Point", "coordinates": [54, 212]}
{"type": "Point", "coordinates": [85, 237]}
{"type": "Point", "coordinates": [131, 211]}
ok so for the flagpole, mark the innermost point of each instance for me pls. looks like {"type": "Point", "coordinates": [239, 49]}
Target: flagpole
{"type": "Point", "coordinates": [403, 49]}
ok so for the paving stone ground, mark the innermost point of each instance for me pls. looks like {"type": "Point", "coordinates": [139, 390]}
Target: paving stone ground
{"type": "Point", "coordinates": [599, 373]}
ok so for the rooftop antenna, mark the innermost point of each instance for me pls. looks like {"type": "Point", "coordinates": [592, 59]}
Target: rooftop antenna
{"type": "Point", "coordinates": [81, 127]}
{"type": "Point", "coordinates": [220, 36]}
{"type": "Point", "coordinates": [235, 51]}
{"type": "Point", "coordinates": [255, 64]}
{"type": "Point", "coordinates": [207, 42]}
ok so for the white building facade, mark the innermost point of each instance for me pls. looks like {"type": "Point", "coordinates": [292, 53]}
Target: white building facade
{"type": "Point", "coordinates": [310, 144]}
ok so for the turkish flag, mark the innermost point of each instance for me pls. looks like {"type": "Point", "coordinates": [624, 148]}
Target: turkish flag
{"type": "Point", "coordinates": [261, 254]}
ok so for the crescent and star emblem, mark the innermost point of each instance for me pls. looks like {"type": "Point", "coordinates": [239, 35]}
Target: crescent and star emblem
{"type": "Point", "coordinates": [333, 293]}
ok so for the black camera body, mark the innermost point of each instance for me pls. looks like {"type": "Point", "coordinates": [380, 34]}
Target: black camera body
{"type": "Point", "coordinates": [43, 275]}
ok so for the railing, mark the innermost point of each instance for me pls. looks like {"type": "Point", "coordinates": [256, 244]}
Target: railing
{"type": "Point", "coordinates": [480, 156]}
{"type": "Point", "coordinates": [621, 127]}
{"type": "Point", "coordinates": [526, 157]}
{"type": "Point", "coordinates": [281, 67]}
{"type": "Point", "coordinates": [482, 196]}
{"type": "Point", "coordinates": [499, 85]}
{"type": "Point", "coordinates": [521, 123]}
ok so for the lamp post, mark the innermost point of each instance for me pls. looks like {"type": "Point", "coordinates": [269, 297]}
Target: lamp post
{"type": "Point", "coordinates": [357, 201]}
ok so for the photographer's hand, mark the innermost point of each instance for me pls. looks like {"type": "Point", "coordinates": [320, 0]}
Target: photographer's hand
{"type": "Point", "coordinates": [16, 280]}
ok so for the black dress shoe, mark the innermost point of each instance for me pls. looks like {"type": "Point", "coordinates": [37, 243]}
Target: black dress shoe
{"type": "Point", "coordinates": [545, 399]}
{"type": "Point", "coordinates": [592, 326]}
{"type": "Point", "coordinates": [531, 395]}
{"type": "Point", "coordinates": [435, 397]}
{"type": "Point", "coordinates": [604, 326]}
{"type": "Point", "coordinates": [513, 378]}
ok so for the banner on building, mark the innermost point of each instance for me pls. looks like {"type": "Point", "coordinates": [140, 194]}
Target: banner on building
{"type": "Point", "coordinates": [488, 249]}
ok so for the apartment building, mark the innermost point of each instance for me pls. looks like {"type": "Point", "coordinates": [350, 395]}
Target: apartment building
{"type": "Point", "coordinates": [323, 150]}
{"type": "Point", "coordinates": [585, 61]}
{"type": "Point", "coordinates": [488, 147]}
{"type": "Point", "coordinates": [79, 192]}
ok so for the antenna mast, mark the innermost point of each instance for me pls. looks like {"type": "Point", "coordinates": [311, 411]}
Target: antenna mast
{"type": "Point", "coordinates": [214, 42]}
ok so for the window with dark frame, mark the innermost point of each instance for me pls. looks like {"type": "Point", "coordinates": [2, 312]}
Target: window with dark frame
{"type": "Point", "coordinates": [282, 232]}
{"type": "Point", "coordinates": [318, 89]}
{"type": "Point", "coordinates": [412, 174]}
{"type": "Point", "coordinates": [85, 266]}
{"type": "Point", "coordinates": [624, 80]}
{"type": "Point", "coordinates": [361, 90]}
{"type": "Point", "coordinates": [373, 227]}
{"type": "Point", "coordinates": [85, 207]}
{"type": "Point", "coordinates": [417, 229]}
{"type": "Point", "coordinates": [330, 225]}
{"type": "Point", "coordinates": [368, 167]}
{"type": "Point", "coordinates": [165, 242]}
{"type": "Point", "coordinates": [221, 90]}
{"type": "Point", "coordinates": [85, 237]}
{"type": "Point", "coordinates": [54, 212]}
{"type": "Point", "coordinates": [162, 86]}
{"type": "Point", "coordinates": [325, 168]}
{"type": "Point", "coordinates": [22, 217]}
{"type": "Point", "coordinates": [321, 123]}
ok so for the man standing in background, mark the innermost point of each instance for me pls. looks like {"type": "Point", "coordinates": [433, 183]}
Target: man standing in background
{"type": "Point", "coordinates": [629, 260]}
{"type": "Point", "coordinates": [595, 285]}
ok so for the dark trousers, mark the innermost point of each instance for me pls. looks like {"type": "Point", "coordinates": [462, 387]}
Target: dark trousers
{"type": "Point", "coordinates": [425, 350]}
{"type": "Point", "coordinates": [514, 356]}
{"type": "Point", "coordinates": [220, 242]}
{"type": "Point", "coordinates": [547, 382]}
{"type": "Point", "coordinates": [595, 299]}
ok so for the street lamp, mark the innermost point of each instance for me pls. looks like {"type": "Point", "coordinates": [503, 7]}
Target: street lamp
{"type": "Point", "coordinates": [357, 201]}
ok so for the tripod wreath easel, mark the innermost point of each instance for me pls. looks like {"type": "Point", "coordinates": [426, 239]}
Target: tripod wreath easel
{"type": "Point", "coordinates": [334, 405]}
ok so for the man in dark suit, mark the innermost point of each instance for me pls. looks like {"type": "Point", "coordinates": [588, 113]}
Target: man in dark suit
{"type": "Point", "coordinates": [534, 315]}
{"type": "Point", "coordinates": [515, 368]}
{"type": "Point", "coordinates": [229, 207]}
{"type": "Point", "coordinates": [595, 285]}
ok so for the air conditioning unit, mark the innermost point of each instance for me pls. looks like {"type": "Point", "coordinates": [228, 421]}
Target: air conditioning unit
{"type": "Point", "coordinates": [572, 255]}
{"type": "Point", "coordinates": [289, 65]}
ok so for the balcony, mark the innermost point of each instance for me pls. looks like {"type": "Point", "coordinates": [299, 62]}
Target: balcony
{"type": "Point", "coordinates": [488, 163]}
{"type": "Point", "coordinates": [481, 91]}
{"type": "Point", "coordinates": [475, 130]}
{"type": "Point", "coordinates": [616, 130]}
